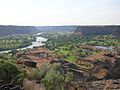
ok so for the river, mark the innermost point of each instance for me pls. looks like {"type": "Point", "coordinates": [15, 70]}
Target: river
{"type": "Point", "coordinates": [105, 48]}
{"type": "Point", "coordinates": [39, 42]}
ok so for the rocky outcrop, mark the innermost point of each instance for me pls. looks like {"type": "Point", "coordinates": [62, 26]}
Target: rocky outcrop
{"type": "Point", "coordinates": [108, 69]}
{"type": "Point", "coordinates": [27, 63]}
{"type": "Point", "coordinates": [104, 85]}
{"type": "Point", "coordinates": [9, 86]}
{"type": "Point", "coordinates": [95, 85]}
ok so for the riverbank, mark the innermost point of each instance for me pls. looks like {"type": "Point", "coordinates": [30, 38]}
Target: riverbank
{"type": "Point", "coordinates": [38, 42]}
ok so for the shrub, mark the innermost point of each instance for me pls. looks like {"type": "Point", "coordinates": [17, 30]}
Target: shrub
{"type": "Point", "coordinates": [10, 73]}
{"type": "Point", "coordinates": [53, 80]}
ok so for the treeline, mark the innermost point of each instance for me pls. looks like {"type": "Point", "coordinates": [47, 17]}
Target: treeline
{"type": "Point", "coordinates": [98, 30]}
{"type": "Point", "coordinates": [12, 30]}
{"type": "Point", "coordinates": [14, 42]}
{"type": "Point", "coordinates": [65, 40]}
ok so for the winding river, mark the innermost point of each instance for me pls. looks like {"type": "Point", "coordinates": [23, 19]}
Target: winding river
{"type": "Point", "coordinates": [39, 42]}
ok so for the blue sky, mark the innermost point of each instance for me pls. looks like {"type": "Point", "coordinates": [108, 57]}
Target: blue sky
{"type": "Point", "coordinates": [59, 12]}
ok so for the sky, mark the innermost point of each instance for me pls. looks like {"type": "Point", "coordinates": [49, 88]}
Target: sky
{"type": "Point", "coordinates": [59, 12]}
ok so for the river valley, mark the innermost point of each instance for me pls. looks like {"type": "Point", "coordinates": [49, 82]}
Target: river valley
{"type": "Point", "coordinates": [39, 42]}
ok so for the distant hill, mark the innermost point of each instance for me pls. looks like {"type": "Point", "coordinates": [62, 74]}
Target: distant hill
{"type": "Point", "coordinates": [56, 28]}
{"type": "Point", "coordinates": [11, 30]}
{"type": "Point", "coordinates": [97, 30]}
{"type": "Point", "coordinates": [82, 30]}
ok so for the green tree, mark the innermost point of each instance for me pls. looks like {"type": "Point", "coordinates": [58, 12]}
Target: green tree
{"type": "Point", "coordinates": [56, 79]}
{"type": "Point", "coordinates": [53, 80]}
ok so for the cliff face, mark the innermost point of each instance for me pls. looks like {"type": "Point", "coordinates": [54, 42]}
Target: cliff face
{"type": "Point", "coordinates": [98, 30]}
{"type": "Point", "coordinates": [10, 30]}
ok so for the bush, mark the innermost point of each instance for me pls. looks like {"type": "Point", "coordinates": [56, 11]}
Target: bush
{"type": "Point", "coordinates": [40, 73]}
{"type": "Point", "coordinates": [10, 73]}
{"type": "Point", "coordinates": [53, 80]}
{"type": "Point", "coordinates": [53, 76]}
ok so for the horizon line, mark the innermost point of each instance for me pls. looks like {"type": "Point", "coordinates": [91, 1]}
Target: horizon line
{"type": "Point", "coordinates": [63, 25]}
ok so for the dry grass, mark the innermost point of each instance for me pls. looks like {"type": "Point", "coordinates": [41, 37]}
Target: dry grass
{"type": "Point", "coordinates": [32, 85]}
